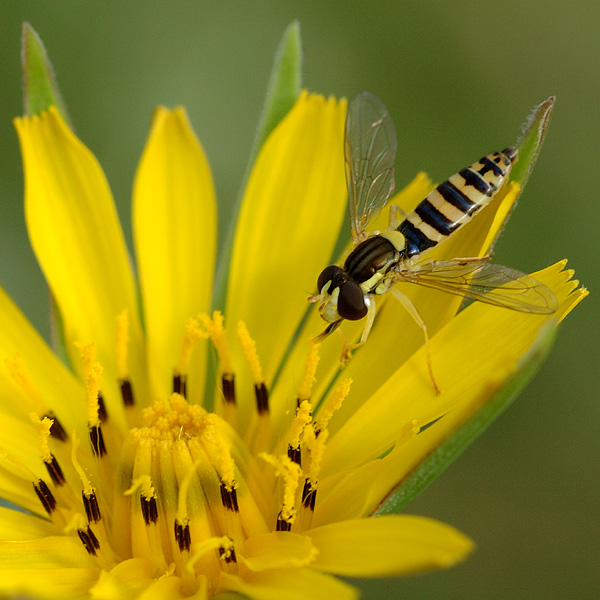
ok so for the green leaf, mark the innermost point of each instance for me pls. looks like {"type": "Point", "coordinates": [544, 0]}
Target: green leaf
{"type": "Point", "coordinates": [457, 442]}
{"type": "Point", "coordinates": [283, 88]}
{"type": "Point", "coordinates": [529, 145]}
{"type": "Point", "coordinates": [40, 90]}
{"type": "Point", "coordinates": [282, 92]}
{"type": "Point", "coordinates": [530, 142]}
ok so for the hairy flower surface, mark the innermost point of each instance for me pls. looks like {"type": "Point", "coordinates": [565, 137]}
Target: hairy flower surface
{"type": "Point", "coordinates": [188, 453]}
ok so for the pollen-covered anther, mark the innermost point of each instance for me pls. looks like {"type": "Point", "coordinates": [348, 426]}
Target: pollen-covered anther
{"type": "Point", "coordinates": [289, 473]}
{"type": "Point", "coordinates": [302, 418]}
{"type": "Point", "coordinates": [193, 332]}
{"type": "Point", "coordinates": [260, 389]}
{"type": "Point", "coordinates": [333, 404]}
{"type": "Point", "coordinates": [44, 427]}
{"type": "Point", "coordinates": [216, 332]}
{"type": "Point", "coordinates": [310, 369]}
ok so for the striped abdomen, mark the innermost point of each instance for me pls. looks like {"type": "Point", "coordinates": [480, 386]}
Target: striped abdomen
{"type": "Point", "coordinates": [455, 201]}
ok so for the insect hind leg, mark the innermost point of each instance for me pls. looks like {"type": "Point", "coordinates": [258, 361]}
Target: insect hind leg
{"type": "Point", "coordinates": [412, 311]}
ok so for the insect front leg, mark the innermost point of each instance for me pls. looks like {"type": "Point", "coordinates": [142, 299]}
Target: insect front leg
{"type": "Point", "coordinates": [412, 311]}
{"type": "Point", "coordinates": [347, 350]}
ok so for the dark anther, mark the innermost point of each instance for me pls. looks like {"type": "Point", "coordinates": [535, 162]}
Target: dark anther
{"type": "Point", "coordinates": [262, 398]}
{"type": "Point", "coordinates": [149, 509]}
{"type": "Point", "coordinates": [295, 454]}
{"type": "Point", "coordinates": [89, 540]}
{"type": "Point", "coordinates": [102, 414]}
{"type": "Point", "coordinates": [180, 385]}
{"type": "Point", "coordinates": [229, 554]}
{"type": "Point", "coordinates": [282, 524]}
{"type": "Point", "coordinates": [182, 535]}
{"type": "Point", "coordinates": [127, 393]}
{"type": "Point", "coordinates": [45, 495]}
{"type": "Point", "coordinates": [97, 440]}
{"type": "Point", "coordinates": [228, 386]}
{"type": "Point", "coordinates": [229, 498]}
{"type": "Point", "coordinates": [309, 495]}
{"type": "Point", "coordinates": [55, 471]}
{"type": "Point", "coordinates": [92, 510]}
{"type": "Point", "coordinates": [56, 429]}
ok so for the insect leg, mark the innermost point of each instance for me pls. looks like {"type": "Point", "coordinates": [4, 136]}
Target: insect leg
{"type": "Point", "coordinates": [371, 311]}
{"type": "Point", "coordinates": [412, 311]}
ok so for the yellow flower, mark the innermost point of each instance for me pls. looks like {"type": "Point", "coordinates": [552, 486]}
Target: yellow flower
{"type": "Point", "coordinates": [186, 456]}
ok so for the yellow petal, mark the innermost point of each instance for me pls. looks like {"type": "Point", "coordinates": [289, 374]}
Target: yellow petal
{"type": "Point", "coordinates": [47, 584]}
{"type": "Point", "coordinates": [291, 584]}
{"type": "Point", "coordinates": [75, 233]}
{"type": "Point", "coordinates": [497, 337]}
{"type": "Point", "coordinates": [44, 553]}
{"type": "Point", "coordinates": [391, 545]}
{"type": "Point", "coordinates": [174, 218]}
{"type": "Point", "coordinates": [294, 203]}
{"type": "Point", "coordinates": [56, 387]}
{"type": "Point", "coordinates": [20, 526]}
{"type": "Point", "coordinates": [278, 550]}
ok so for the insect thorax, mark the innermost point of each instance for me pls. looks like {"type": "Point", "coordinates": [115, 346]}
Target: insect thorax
{"type": "Point", "coordinates": [368, 263]}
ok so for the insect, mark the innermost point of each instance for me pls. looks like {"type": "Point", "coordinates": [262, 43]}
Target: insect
{"type": "Point", "coordinates": [380, 260]}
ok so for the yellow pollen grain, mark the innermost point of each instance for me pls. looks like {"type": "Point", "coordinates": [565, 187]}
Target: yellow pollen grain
{"type": "Point", "coordinates": [333, 403]}
{"type": "Point", "coordinates": [316, 447]}
{"type": "Point", "coordinates": [193, 333]}
{"type": "Point", "coordinates": [290, 474]}
{"type": "Point", "coordinates": [92, 374]}
{"type": "Point", "coordinates": [87, 486]}
{"type": "Point", "coordinates": [16, 367]}
{"type": "Point", "coordinates": [219, 450]}
{"type": "Point", "coordinates": [310, 369]}
{"type": "Point", "coordinates": [122, 345]}
{"type": "Point", "coordinates": [43, 428]}
{"type": "Point", "coordinates": [302, 418]}
{"type": "Point", "coordinates": [249, 348]}
{"type": "Point", "coordinates": [216, 332]}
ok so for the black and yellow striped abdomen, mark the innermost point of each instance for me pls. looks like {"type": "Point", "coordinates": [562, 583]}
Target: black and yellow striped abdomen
{"type": "Point", "coordinates": [455, 201]}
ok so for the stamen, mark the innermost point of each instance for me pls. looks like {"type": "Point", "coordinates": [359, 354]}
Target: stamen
{"type": "Point", "coordinates": [182, 534]}
{"type": "Point", "coordinates": [193, 333]}
{"type": "Point", "coordinates": [302, 418]}
{"type": "Point", "coordinates": [92, 371]}
{"type": "Point", "coordinates": [290, 473]}
{"type": "Point", "coordinates": [45, 496]}
{"type": "Point", "coordinates": [310, 369]}
{"type": "Point", "coordinates": [56, 429]}
{"type": "Point", "coordinates": [216, 332]}
{"type": "Point", "coordinates": [90, 503]}
{"type": "Point", "coordinates": [333, 403]}
{"type": "Point", "coordinates": [89, 540]}
{"type": "Point", "coordinates": [249, 348]}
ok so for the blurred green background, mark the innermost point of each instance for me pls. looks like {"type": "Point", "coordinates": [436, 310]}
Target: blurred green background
{"type": "Point", "coordinates": [459, 78]}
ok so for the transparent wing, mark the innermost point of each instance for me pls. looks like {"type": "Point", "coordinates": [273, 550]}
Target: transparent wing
{"type": "Point", "coordinates": [485, 282]}
{"type": "Point", "coordinates": [370, 149]}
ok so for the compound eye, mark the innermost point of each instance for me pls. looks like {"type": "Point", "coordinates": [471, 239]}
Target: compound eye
{"type": "Point", "coordinates": [351, 302]}
{"type": "Point", "coordinates": [327, 275]}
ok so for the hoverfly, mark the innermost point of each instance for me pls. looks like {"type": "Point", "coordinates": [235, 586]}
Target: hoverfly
{"type": "Point", "coordinates": [380, 260]}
